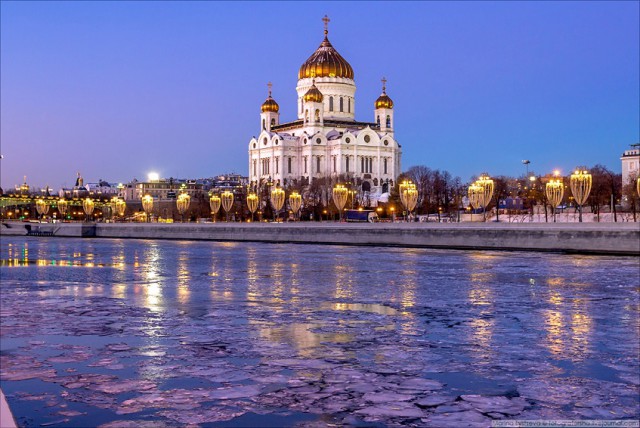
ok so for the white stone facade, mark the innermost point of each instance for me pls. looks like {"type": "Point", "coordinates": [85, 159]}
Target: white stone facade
{"type": "Point", "coordinates": [630, 164]}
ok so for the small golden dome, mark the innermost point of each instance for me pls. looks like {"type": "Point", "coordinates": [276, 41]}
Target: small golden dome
{"type": "Point", "coordinates": [270, 104]}
{"type": "Point", "coordinates": [313, 95]}
{"type": "Point", "coordinates": [383, 100]}
{"type": "Point", "coordinates": [325, 61]}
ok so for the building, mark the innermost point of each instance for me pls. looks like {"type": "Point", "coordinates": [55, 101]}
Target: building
{"type": "Point", "coordinates": [161, 189]}
{"type": "Point", "coordinates": [630, 164]}
{"type": "Point", "coordinates": [326, 140]}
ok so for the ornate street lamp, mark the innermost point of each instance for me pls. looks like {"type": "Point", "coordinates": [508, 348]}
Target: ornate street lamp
{"type": "Point", "coordinates": [214, 204]}
{"type": "Point", "coordinates": [555, 191]}
{"type": "Point", "coordinates": [147, 205]}
{"type": "Point", "coordinates": [182, 203]}
{"type": "Point", "coordinates": [227, 201]}
{"type": "Point", "coordinates": [88, 205]}
{"type": "Point", "coordinates": [295, 202]}
{"type": "Point", "coordinates": [63, 206]}
{"type": "Point", "coordinates": [401, 189]}
{"type": "Point", "coordinates": [473, 193]}
{"type": "Point", "coordinates": [410, 198]}
{"type": "Point", "coordinates": [340, 194]}
{"type": "Point", "coordinates": [486, 192]}
{"type": "Point", "coordinates": [120, 206]}
{"type": "Point", "coordinates": [638, 186]}
{"type": "Point", "coordinates": [252, 203]}
{"type": "Point", "coordinates": [42, 207]}
{"type": "Point", "coordinates": [580, 188]}
{"type": "Point", "coordinates": [277, 201]}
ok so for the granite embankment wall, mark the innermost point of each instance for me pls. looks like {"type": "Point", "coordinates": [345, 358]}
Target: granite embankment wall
{"type": "Point", "coordinates": [600, 238]}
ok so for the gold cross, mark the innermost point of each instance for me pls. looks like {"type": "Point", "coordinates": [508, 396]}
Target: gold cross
{"type": "Point", "coordinates": [269, 85]}
{"type": "Point", "coordinates": [326, 24]}
{"type": "Point", "coordinates": [384, 84]}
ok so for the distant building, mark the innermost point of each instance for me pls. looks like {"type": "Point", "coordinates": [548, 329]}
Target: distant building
{"type": "Point", "coordinates": [164, 188]}
{"type": "Point", "coordinates": [630, 164]}
{"type": "Point", "coordinates": [326, 140]}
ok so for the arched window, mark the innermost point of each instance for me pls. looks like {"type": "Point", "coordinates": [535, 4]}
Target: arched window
{"type": "Point", "coordinates": [318, 164]}
{"type": "Point", "coordinates": [341, 105]}
{"type": "Point", "coordinates": [317, 115]}
{"type": "Point", "coordinates": [349, 104]}
{"type": "Point", "coordinates": [306, 116]}
{"type": "Point", "coordinates": [289, 165]}
{"type": "Point", "coordinates": [330, 103]}
{"type": "Point", "coordinates": [334, 164]}
{"type": "Point", "coordinates": [255, 167]}
{"type": "Point", "coordinates": [388, 121]}
{"type": "Point", "coordinates": [385, 165]}
{"type": "Point", "coordinates": [362, 165]}
{"type": "Point", "coordinates": [347, 164]}
{"type": "Point", "coordinates": [263, 124]}
{"type": "Point", "coordinates": [378, 120]}
{"type": "Point", "coordinates": [273, 121]}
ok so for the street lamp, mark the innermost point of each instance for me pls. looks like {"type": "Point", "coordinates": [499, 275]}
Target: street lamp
{"type": "Point", "coordinates": [147, 206]}
{"type": "Point", "coordinates": [120, 207]}
{"type": "Point", "coordinates": [214, 204]}
{"type": "Point", "coordinates": [277, 201]}
{"type": "Point", "coordinates": [340, 194]}
{"type": "Point", "coordinates": [88, 205]}
{"type": "Point", "coordinates": [580, 187]}
{"type": "Point", "coordinates": [182, 203]}
{"type": "Point", "coordinates": [227, 202]}
{"type": "Point", "coordinates": [295, 202]}
{"type": "Point", "coordinates": [63, 206]}
{"type": "Point", "coordinates": [484, 197]}
{"type": "Point", "coordinates": [252, 203]}
{"type": "Point", "coordinates": [638, 186]}
{"type": "Point", "coordinates": [410, 198]}
{"type": "Point", "coordinates": [555, 191]}
{"type": "Point", "coordinates": [42, 207]}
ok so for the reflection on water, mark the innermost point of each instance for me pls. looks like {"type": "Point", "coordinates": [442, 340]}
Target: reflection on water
{"type": "Point", "coordinates": [249, 316]}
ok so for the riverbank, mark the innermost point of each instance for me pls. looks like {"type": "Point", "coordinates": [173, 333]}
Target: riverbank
{"type": "Point", "coordinates": [587, 238]}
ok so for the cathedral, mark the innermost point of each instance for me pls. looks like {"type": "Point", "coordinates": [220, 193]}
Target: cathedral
{"type": "Point", "coordinates": [326, 140]}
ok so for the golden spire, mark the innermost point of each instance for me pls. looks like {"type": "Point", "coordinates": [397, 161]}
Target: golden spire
{"type": "Point", "coordinates": [384, 85]}
{"type": "Point", "coordinates": [326, 25]}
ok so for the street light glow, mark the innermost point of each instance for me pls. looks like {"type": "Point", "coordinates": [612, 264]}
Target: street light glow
{"type": "Point", "coordinates": [153, 176]}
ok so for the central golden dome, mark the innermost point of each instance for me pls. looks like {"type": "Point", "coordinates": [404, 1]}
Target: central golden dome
{"type": "Point", "coordinates": [325, 61]}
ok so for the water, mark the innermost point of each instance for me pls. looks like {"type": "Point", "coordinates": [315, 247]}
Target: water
{"type": "Point", "coordinates": [119, 333]}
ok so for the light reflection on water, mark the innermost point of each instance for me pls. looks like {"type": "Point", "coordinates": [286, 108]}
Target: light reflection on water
{"type": "Point", "coordinates": [421, 310]}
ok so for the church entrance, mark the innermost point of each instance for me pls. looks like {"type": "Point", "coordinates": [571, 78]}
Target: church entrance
{"type": "Point", "coordinates": [366, 186]}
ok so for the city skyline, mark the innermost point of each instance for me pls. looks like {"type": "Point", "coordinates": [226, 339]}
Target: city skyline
{"type": "Point", "coordinates": [117, 90]}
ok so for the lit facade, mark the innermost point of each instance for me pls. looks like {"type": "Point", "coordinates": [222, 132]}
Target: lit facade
{"type": "Point", "coordinates": [630, 164]}
{"type": "Point", "coordinates": [326, 140]}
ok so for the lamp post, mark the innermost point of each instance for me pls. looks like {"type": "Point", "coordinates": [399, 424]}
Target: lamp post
{"type": "Point", "coordinates": [63, 206]}
{"type": "Point", "coordinates": [340, 194]}
{"type": "Point", "coordinates": [120, 207]}
{"type": "Point", "coordinates": [295, 202]}
{"type": "Point", "coordinates": [410, 199]}
{"type": "Point", "coordinates": [555, 191]}
{"type": "Point", "coordinates": [638, 186]}
{"type": "Point", "coordinates": [42, 207]}
{"type": "Point", "coordinates": [277, 201]}
{"type": "Point", "coordinates": [214, 204]}
{"type": "Point", "coordinates": [227, 202]}
{"type": "Point", "coordinates": [252, 203]}
{"type": "Point", "coordinates": [486, 193]}
{"type": "Point", "coordinates": [182, 203]}
{"type": "Point", "coordinates": [88, 205]}
{"type": "Point", "coordinates": [147, 206]}
{"type": "Point", "coordinates": [580, 188]}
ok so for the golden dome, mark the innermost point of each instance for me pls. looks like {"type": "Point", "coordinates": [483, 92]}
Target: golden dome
{"type": "Point", "coordinates": [383, 100]}
{"type": "Point", "coordinates": [313, 95]}
{"type": "Point", "coordinates": [325, 61]}
{"type": "Point", "coordinates": [270, 104]}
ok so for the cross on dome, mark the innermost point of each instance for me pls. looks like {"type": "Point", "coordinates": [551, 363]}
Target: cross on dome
{"type": "Point", "coordinates": [384, 85]}
{"type": "Point", "coordinates": [326, 24]}
{"type": "Point", "coordinates": [269, 85]}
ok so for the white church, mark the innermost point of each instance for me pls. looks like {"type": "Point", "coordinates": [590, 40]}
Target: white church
{"type": "Point", "coordinates": [326, 140]}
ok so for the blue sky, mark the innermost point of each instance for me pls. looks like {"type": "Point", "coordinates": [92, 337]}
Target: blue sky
{"type": "Point", "coordinates": [117, 89]}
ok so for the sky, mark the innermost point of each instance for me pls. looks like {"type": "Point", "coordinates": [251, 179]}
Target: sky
{"type": "Point", "coordinates": [115, 90]}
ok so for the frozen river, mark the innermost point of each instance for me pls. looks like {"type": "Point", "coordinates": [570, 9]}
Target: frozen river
{"type": "Point", "coordinates": [131, 333]}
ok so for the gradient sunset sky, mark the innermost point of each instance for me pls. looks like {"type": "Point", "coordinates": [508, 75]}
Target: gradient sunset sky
{"type": "Point", "coordinates": [115, 90]}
